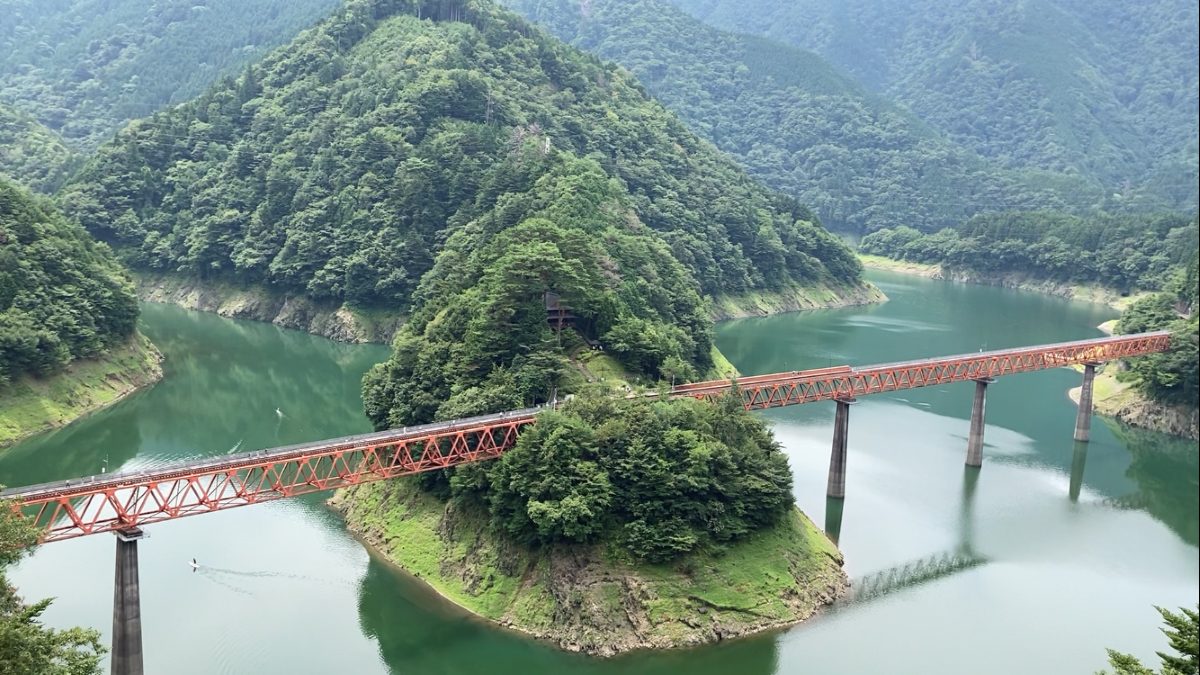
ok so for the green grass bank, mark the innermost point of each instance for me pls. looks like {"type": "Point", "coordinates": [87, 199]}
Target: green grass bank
{"type": "Point", "coordinates": [594, 599]}
{"type": "Point", "coordinates": [30, 406]}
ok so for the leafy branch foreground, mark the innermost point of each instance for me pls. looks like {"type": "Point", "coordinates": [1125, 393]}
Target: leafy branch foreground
{"type": "Point", "coordinates": [27, 647]}
{"type": "Point", "coordinates": [1182, 631]}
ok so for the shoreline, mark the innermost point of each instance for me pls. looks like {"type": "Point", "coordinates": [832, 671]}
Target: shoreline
{"type": "Point", "coordinates": [1119, 401]}
{"type": "Point", "coordinates": [337, 322]}
{"type": "Point", "coordinates": [1111, 398]}
{"type": "Point", "coordinates": [31, 407]}
{"type": "Point", "coordinates": [344, 324]}
{"type": "Point", "coordinates": [579, 598]}
{"type": "Point", "coordinates": [1092, 293]}
{"type": "Point", "coordinates": [797, 299]}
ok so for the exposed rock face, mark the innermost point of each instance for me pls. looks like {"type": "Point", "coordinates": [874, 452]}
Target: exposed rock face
{"type": "Point", "coordinates": [335, 322]}
{"type": "Point", "coordinates": [1127, 405]}
{"type": "Point", "coordinates": [765, 303]}
{"type": "Point", "coordinates": [1141, 412]}
{"type": "Point", "coordinates": [591, 599]}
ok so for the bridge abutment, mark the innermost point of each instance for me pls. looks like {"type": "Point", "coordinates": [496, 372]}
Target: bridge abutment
{"type": "Point", "coordinates": [127, 612]}
{"type": "Point", "coordinates": [975, 439]}
{"type": "Point", "coordinates": [1083, 420]}
{"type": "Point", "coordinates": [836, 487]}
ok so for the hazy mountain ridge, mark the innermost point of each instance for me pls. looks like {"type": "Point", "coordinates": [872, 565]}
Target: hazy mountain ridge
{"type": "Point", "coordinates": [801, 126]}
{"type": "Point", "coordinates": [1102, 89]}
{"type": "Point", "coordinates": [85, 67]}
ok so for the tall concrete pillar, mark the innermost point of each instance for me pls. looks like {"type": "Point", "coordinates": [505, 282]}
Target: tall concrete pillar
{"type": "Point", "coordinates": [1078, 461]}
{"type": "Point", "coordinates": [837, 460]}
{"type": "Point", "coordinates": [1083, 421]}
{"type": "Point", "coordinates": [127, 613]}
{"type": "Point", "coordinates": [975, 439]}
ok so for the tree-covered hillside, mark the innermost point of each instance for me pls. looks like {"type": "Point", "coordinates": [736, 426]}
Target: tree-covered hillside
{"type": "Point", "coordinates": [341, 164]}
{"type": "Point", "coordinates": [85, 67]}
{"type": "Point", "coordinates": [30, 153]}
{"type": "Point", "coordinates": [1104, 89]}
{"type": "Point", "coordinates": [1124, 252]}
{"type": "Point", "coordinates": [797, 124]}
{"type": "Point", "coordinates": [62, 296]}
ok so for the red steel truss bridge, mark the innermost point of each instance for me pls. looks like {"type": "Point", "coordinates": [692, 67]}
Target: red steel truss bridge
{"type": "Point", "coordinates": [118, 502]}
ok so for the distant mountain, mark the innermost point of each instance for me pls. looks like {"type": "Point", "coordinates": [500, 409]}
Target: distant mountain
{"type": "Point", "coordinates": [1107, 89]}
{"type": "Point", "coordinates": [798, 124]}
{"type": "Point", "coordinates": [85, 67]}
{"type": "Point", "coordinates": [30, 153]}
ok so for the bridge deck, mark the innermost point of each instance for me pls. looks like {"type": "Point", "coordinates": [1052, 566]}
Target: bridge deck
{"type": "Point", "coordinates": [109, 502]}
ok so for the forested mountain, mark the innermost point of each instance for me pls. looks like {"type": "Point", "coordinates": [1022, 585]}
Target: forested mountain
{"type": "Point", "coordinates": [30, 153]}
{"type": "Point", "coordinates": [799, 125]}
{"type": "Point", "coordinates": [62, 296]}
{"type": "Point", "coordinates": [1126, 252]}
{"type": "Point", "coordinates": [342, 163]}
{"type": "Point", "coordinates": [1104, 89]}
{"type": "Point", "coordinates": [85, 67]}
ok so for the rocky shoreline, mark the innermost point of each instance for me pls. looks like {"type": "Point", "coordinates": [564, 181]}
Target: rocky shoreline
{"type": "Point", "coordinates": [1121, 402]}
{"type": "Point", "coordinates": [336, 322]}
{"type": "Point", "coordinates": [766, 303]}
{"type": "Point", "coordinates": [1013, 280]}
{"type": "Point", "coordinates": [581, 598]}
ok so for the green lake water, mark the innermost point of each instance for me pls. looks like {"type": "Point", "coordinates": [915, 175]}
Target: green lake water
{"type": "Point", "coordinates": [1034, 564]}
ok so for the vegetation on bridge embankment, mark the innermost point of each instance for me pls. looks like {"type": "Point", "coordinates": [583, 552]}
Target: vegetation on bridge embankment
{"type": "Point", "coordinates": [1158, 391]}
{"type": "Point", "coordinates": [615, 525]}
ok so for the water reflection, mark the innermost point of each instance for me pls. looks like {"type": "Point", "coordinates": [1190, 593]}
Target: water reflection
{"type": "Point", "coordinates": [834, 507]}
{"type": "Point", "coordinates": [1078, 462]}
{"type": "Point", "coordinates": [418, 632]}
{"type": "Point", "coordinates": [1167, 475]}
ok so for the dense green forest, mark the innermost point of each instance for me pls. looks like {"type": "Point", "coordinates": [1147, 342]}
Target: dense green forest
{"type": "Point", "coordinates": [1172, 376]}
{"type": "Point", "coordinates": [1107, 90]}
{"type": "Point", "coordinates": [660, 479]}
{"type": "Point", "coordinates": [799, 125]}
{"type": "Point", "coordinates": [342, 163]}
{"type": "Point", "coordinates": [1125, 252]}
{"type": "Point", "coordinates": [31, 154]}
{"type": "Point", "coordinates": [85, 67]}
{"type": "Point", "coordinates": [62, 296]}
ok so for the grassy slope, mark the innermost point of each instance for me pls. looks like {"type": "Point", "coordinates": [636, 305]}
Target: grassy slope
{"type": "Point", "coordinates": [594, 599]}
{"type": "Point", "coordinates": [30, 406]}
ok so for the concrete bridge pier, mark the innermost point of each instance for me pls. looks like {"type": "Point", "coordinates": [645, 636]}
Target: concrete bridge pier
{"type": "Point", "coordinates": [975, 439]}
{"type": "Point", "coordinates": [1083, 421]}
{"type": "Point", "coordinates": [837, 461]}
{"type": "Point", "coordinates": [127, 613]}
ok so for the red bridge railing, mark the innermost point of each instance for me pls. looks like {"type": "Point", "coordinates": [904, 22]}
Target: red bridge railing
{"type": "Point", "coordinates": [844, 382]}
{"type": "Point", "coordinates": [113, 502]}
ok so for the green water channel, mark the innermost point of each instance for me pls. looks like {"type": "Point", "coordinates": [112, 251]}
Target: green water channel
{"type": "Point", "coordinates": [1034, 564]}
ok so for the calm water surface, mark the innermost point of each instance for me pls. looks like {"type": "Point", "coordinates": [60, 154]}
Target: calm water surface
{"type": "Point", "coordinates": [1034, 564]}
